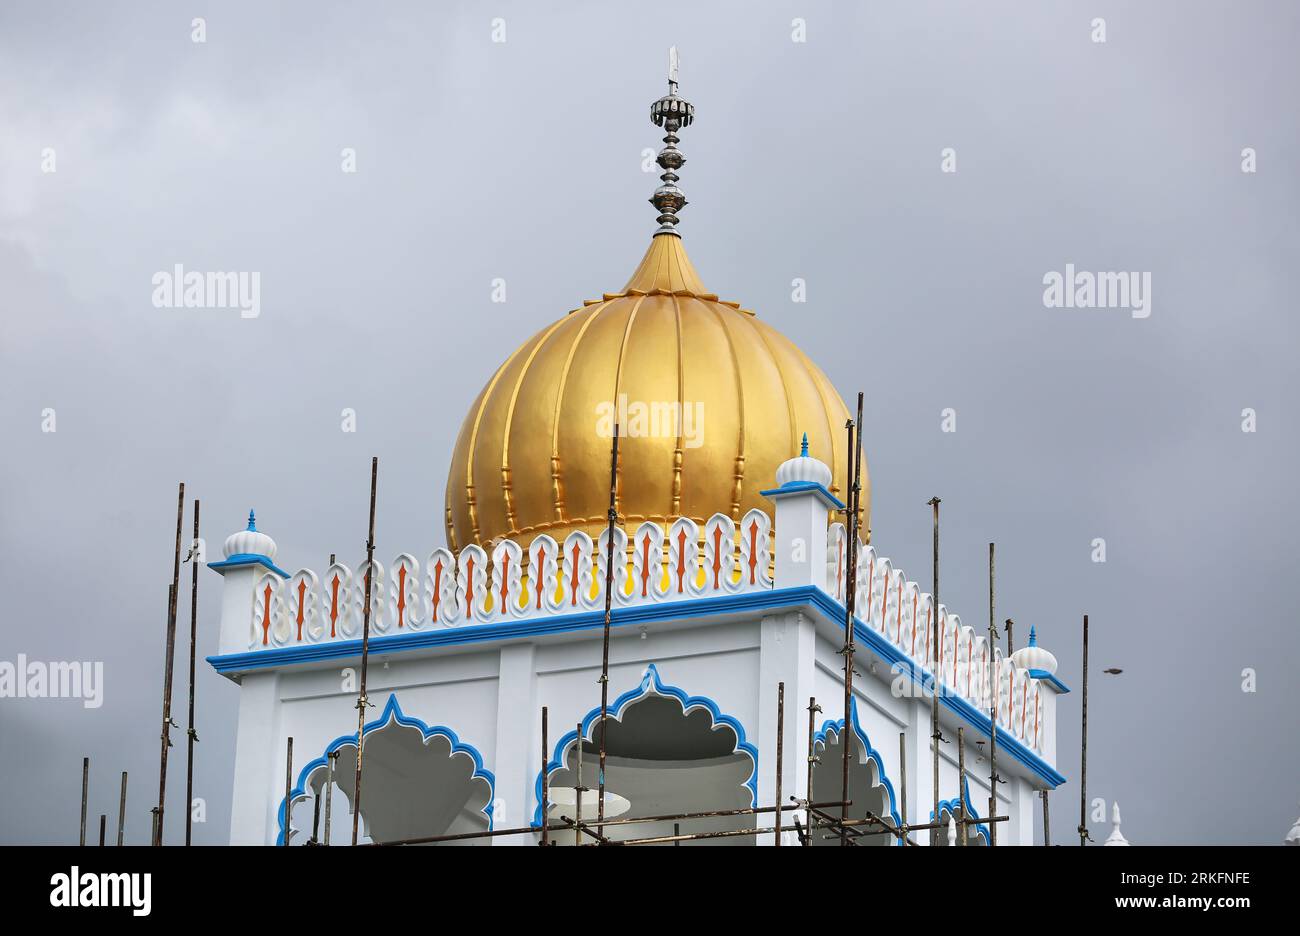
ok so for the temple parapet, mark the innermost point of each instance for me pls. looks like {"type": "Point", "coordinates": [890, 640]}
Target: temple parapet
{"type": "Point", "coordinates": [475, 587]}
{"type": "Point", "coordinates": [896, 608]}
{"type": "Point", "coordinates": [684, 562]}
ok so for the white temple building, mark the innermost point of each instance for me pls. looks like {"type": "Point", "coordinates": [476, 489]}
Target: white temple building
{"type": "Point", "coordinates": [729, 580]}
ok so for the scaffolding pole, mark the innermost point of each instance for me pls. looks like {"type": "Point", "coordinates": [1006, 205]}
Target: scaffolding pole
{"type": "Point", "coordinates": [961, 784]}
{"type": "Point", "coordinates": [85, 791]}
{"type": "Point", "coordinates": [168, 667]}
{"type": "Point", "coordinates": [546, 783]}
{"type": "Point", "coordinates": [121, 810]}
{"type": "Point", "coordinates": [813, 709]}
{"type": "Point", "coordinates": [604, 658]}
{"type": "Point", "coordinates": [578, 790]}
{"type": "Point", "coordinates": [191, 735]}
{"type": "Point", "coordinates": [780, 742]}
{"type": "Point", "coordinates": [1083, 766]}
{"type": "Point", "coordinates": [902, 772]}
{"type": "Point", "coordinates": [329, 788]}
{"type": "Point", "coordinates": [934, 660]}
{"type": "Point", "coordinates": [996, 687]}
{"type": "Point", "coordinates": [288, 789]}
{"type": "Point", "coordinates": [362, 701]}
{"type": "Point", "coordinates": [854, 479]}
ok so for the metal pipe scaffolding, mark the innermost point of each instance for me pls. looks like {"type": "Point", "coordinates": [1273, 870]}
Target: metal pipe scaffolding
{"type": "Point", "coordinates": [191, 734]}
{"type": "Point", "coordinates": [813, 709]}
{"type": "Point", "coordinates": [546, 782]}
{"type": "Point", "coordinates": [961, 785]}
{"type": "Point", "coordinates": [288, 790]}
{"type": "Point", "coordinates": [604, 659]}
{"type": "Point", "coordinates": [85, 789]}
{"type": "Point", "coordinates": [934, 660]}
{"type": "Point", "coordinates": [1083, 766]}
{"type": "Point", "coordinates": [168, 666]}
{"type": "Point", "coordinates": [329, 789]}
{"type": "Point", "coordinates": [780, 743]}
{"type": "Point", "coordinates": [121, 810]}
{"type": "Point", "coordinates": [854, 479]}
{"type": "Point", "coordinates": [362, 701]}
{"type": "Point", "coordinates": [996, 687]}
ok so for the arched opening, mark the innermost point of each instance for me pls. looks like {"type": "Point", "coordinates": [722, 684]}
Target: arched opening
{"type": "Point", "coordinates": [870, 792]}
{"type": "Point", "coordinates": [976, 834]}
{"type": "Point", "coordinates": [666, 753]}
{"type": "Point", "coordinates": [419, 781]}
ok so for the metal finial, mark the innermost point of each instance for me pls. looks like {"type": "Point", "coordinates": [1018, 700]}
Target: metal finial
{"type": "Point", "coordinates": [803, 448]}
{"type": "Point", "coordinates": [252, 522]}
{"type": "Point", "coordinates": [672, 113]}
{"type": "Point", "coordinates": [1033, 636]}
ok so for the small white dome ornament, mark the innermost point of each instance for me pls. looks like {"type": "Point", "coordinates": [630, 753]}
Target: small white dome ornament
{"type": "Point", "coordinates": [1293, 837]}
{"type": "Point", "coordinates": [804, 469]}
{"type": "Point", "coordinates": [250, 542]}
{"type": "Point", "coordinates": [1116, 837]}
{"type": "Point", "coordinates": [1034, 658]}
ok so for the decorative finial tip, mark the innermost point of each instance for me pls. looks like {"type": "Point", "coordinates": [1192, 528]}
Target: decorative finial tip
{"type": "Point", "coordinates": [672, 113]}
{"type": "Point", "coordinates": [1033, 636]}
{"type": "Point", "coordinates": [803, 448]}
{"type": "Point", "coordinates": [252, 521]}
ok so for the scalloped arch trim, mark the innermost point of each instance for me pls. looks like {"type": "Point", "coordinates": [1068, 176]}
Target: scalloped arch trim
{"type": "Point", "coordinates": [652, 684]}
{"type": "Point", "coordinates": [391, 714]}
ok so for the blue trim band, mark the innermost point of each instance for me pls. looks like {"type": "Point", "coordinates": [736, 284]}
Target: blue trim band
{"type": "Point", "coordinates": [239, 560]}
{"type": "Point", "coordinates": [392, 713]}
{"type": "Point", "coordinates": [802, 487]}
{"type": "Point", "coordinates": [651, 683]}
{"type": "Point", "coordinates": [462, 634]}
{"type": "Point", "coordinates": [802, 596]}
{"type": "Point", "coordinates": [1050, 679]}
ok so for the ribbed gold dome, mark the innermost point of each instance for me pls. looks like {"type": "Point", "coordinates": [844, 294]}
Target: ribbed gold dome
{"type": "Point", "coordinates": [533, 453]}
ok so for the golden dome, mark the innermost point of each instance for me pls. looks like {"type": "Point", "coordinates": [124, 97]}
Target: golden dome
{"type": "Point", "coordinates": [710, 400]}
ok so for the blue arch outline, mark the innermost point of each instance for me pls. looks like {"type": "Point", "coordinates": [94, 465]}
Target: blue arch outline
{"type": "Point", "coordinates": [950, 806]}
{"type": "Point", "coordinates": [835, 726]}
{"type": "Point", "coordinates": [392, 713]}
{"type": "Point", "coordinates": [651, 684]}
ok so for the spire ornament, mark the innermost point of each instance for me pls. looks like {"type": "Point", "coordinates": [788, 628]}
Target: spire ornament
{"type": "Point", "coordinates": [672, 113]}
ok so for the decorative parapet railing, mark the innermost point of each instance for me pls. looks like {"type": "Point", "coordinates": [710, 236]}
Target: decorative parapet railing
{"type": "Point", "coordinates": [897, 609]}
{"type": "Point", "coordinates": [476, 587]}
{"type": "Point", "coordinates": [685, 561]}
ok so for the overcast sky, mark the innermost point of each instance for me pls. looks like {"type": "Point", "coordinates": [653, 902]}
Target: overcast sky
{"type": "Point", "coordinates": [522, 160]}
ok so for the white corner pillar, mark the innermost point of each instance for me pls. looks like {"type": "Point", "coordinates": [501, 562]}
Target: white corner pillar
{"type": "Point", "coordinates": [255, 800]}
{"type": "Point", "coordinates": [920, 769]}
{"type": "Point", "coordinates": [786, 655]}
{"type": "Point", "coordinates": [518, 738]}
